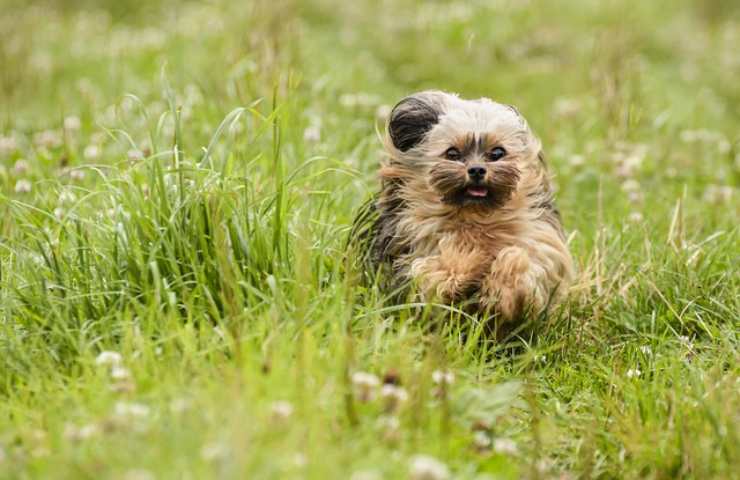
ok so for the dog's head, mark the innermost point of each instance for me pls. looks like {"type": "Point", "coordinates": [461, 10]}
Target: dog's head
{"type": "Point", "coordinates": [470, 152]}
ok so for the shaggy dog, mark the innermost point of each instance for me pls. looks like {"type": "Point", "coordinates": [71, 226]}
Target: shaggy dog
{"type": "Point", "coordinates": [465, 212]}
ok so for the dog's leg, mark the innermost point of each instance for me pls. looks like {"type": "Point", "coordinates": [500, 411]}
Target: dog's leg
{"type": "Point", "coordinates": [517, 282]}
{"type": "Point", "coordinates": [448, 275]}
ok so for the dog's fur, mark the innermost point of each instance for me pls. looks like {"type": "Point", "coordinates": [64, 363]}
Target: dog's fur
{"type": "Point", "coordinates": [434, 227]}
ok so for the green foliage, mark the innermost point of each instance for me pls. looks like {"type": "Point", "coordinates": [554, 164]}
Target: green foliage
{"type": "Point", "coordinates": [178, 181]}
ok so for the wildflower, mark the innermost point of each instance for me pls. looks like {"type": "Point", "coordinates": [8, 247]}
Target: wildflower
{"type": "Point", "coordinates": [391, 427]}
{"type": "Point", "coordinates": [66, 196]}
{"type": "Point", "coordinates": [22, 186]}
{"type": "Point", "coordinates": [635, 217]}
{"type": "Point", "coordinates": [135, 155]}
{"type": "Point", "coordinates": [179, 405]}
{"type": "Point", "coordinates": [47, 138]}
{"type": "Point", "coordinates": [138, 474]}
{"type": "Point", "coordinates": [91, 152]}
{"type": "Point", "coordinates": [20, 167]}
{"type": "Point", "coordinates": [394, 396]}
{"type": "Point", "coordinates": [566, 107]}
{"type": "Point", "coordinates": [281, 410]}
{"type": "Point", "coordinates": [365, 385]}
{"type": "Point", "coordinates": [8, 145]}
{"type": "Point", "coordinates": [424, 467]}
{"type": "Point", "coordinates": [76, 174]}
{"type": "Point", "coordinates": [646, 350]}
{"type": "Point", "coordinates": [72, 123]}
{"type": "Point", "coordinates": [481, 440]}
{"type": "Point", "coordinates": [633, 373]}
{"type": "Point", "coordinates": [443, 377]}
{"type": "Point", "coordinates": [59, 213]}
{"type": "Point", "coordinates": [630, 185]}
{"type": "Point", "coordinates": [505, 446]}
{"type": "Point", "coordinates": [718, 194]}
{"type": "Point", "coordinates": [131, 410]}
{"type": "Point", "coordinates": [576, 160]}
{"type": "Point", "coordinates": [312, 133]}
{"type": "Point", "coordinates": [120, 373]}
{"type": "Point", "coordinates": [365, 475]}
{"type": "Point", "coordinates": [108, 358]}
{"type": "Point", "coordinates": [85, 432]}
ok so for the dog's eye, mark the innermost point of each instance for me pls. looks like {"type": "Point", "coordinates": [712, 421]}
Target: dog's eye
{"type": "Point", "coordinates": [496, 154]}
{"type": "Point", "coordinates": [453, 153]}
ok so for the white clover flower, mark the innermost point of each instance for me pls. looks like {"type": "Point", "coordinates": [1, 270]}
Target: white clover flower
{"type": "Point", "coordinates": [281, 410]}
{"type": "Point", "coordinates": [443, 377]}
{"type": "Point", "coordinates": [22, 186]}
{"type": "Point", "coordinates": [66, 196]}
{"type": "Point", "coordinates": [8, 145]}
{"type": "Point", "coordinates": [20, 167]}
{"type": "Point", "coordinates": [312, 133]}
{"type": "Point", "coordinates": [481, 440]}
{"type": "Point", "coordinates": [120, 373]}
{"type": "Point", "coordinates": [76, 174]}
{"type": "Point", "coordinates": [630, 185]}
{"type": "Point", "coordinates": [633, 373]}
{"type": "Point", "coordinates": [365, 385]}
{"type": "Point", "coordinates": [505, 446]}
{"type": "Point", "coordinates": [47, 138]}
{"type": "Point", "coordinates": [125, 410]}
{"type": "Point", "coordinates": [108, 358]}
{"type": "Point", "coordinates": [394, 396]}
{"type": "Point", "coordinates": [718, 194]}
{"type": "Point", "coordinates": [138, 474]}
{"type": "Point", "coordinates": [365, 475]}
{"type": "Point", "coordinates": [91, 152]}
{"type": "Point", "coordinates": [135, 155]}
{"type": "Point", "coordinates": [576, 160]}
{"type": "Point", "coordinates": [85, 432]}
{"type": "Point", "coordinates": [424, 467]}
{"type": "Point", "coordinates": [72, 123]}
{"type": "Point", "coordinates": [179, 405]}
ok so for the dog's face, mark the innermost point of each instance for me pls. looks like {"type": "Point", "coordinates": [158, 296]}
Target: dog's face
{"type": "Point", "coordinates": [471, 152]}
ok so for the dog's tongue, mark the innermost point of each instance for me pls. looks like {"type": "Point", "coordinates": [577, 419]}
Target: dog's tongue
{"type": "Point", "coordinates": [477, 191]}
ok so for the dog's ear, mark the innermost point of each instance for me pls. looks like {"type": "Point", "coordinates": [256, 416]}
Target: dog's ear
{"type": "Point", "coordinates": [412, 118]}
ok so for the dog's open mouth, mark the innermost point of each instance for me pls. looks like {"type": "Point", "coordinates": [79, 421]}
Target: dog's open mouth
{"type": "Point", "coordinates": [476, 192]}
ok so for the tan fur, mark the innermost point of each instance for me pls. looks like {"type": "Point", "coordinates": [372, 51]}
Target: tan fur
{"type": "Point", "coordinates": [510, 254]}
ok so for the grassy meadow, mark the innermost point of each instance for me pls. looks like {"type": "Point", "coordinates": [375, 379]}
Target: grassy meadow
{"type": "Point", "coordinates": [177, 183]}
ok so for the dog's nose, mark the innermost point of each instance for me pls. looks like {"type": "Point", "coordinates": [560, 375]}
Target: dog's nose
{"type": "Point", "coordinates": [477, 172]}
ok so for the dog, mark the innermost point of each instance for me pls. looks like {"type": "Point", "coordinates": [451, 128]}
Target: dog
{"type": "Point", "coordinates": [465, 211]}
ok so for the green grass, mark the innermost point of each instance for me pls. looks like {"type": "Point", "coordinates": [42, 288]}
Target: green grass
{"type": "Point", "coordinates": [195, 219]}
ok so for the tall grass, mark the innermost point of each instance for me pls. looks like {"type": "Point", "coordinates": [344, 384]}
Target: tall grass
{"type": "Point", "coordinates": [194, 169]}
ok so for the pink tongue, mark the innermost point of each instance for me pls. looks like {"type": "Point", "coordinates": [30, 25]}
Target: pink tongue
{"type": "Point", "coordinates": [477, 191]}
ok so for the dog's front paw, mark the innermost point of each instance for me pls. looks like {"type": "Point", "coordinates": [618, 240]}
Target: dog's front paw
{"type": "Point", "coordinates": [439, 281]}
{"type": "Point", "coordinates": [512, 287]}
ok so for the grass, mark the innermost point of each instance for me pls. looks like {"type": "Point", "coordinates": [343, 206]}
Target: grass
{"type": "Point", "coordinates": [177, 180]}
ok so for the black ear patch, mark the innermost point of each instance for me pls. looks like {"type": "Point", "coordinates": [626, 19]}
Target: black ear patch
{"type": "Point", "coordinates": [411, 119]}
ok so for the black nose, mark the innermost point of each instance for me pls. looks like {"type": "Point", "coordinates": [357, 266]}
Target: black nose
{"type": "Point", "coordinates": [477, 172]}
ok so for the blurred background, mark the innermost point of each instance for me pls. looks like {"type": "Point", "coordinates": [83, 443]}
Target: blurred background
{"type": "Point", "coordinates": [112, 238]}
{"type": "Point", "coordinates": [616, 85]}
